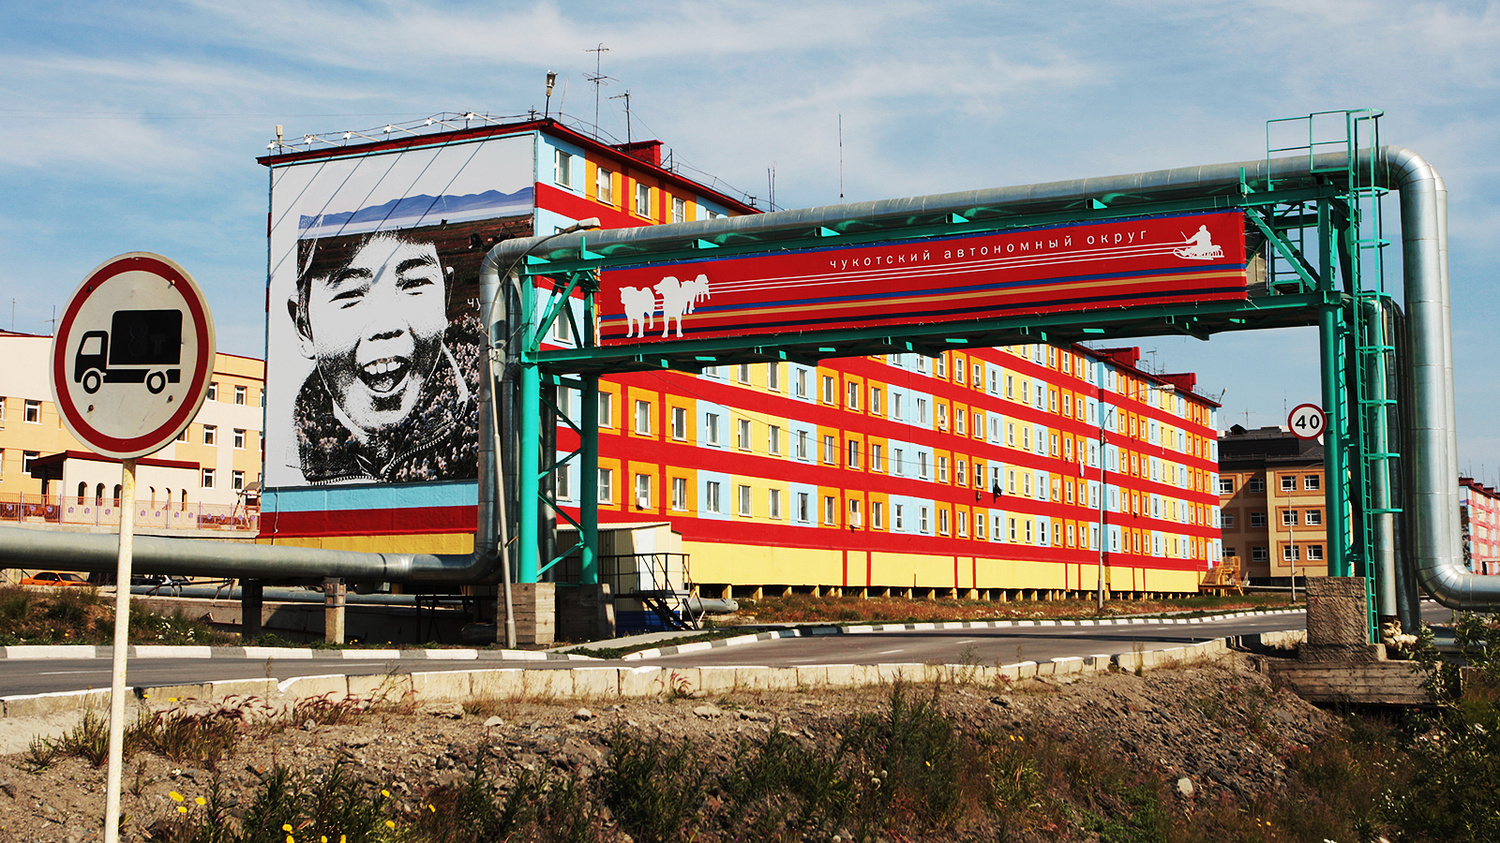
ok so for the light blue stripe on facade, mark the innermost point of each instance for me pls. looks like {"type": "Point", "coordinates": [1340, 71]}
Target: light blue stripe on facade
{"type": "Point", "coordinates": [342, 498]}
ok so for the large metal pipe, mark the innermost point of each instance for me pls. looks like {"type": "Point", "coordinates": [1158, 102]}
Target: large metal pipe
{"type": "Point", "coordinates": [1430, 453]}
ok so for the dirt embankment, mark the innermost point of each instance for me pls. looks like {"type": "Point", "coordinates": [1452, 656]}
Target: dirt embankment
{"type": "Point", "coordinates": [1207, 733]}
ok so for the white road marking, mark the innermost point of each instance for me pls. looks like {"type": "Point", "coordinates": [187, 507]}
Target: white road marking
{"type": "Point", "coordinates": [889, 652]}
{"type": "Point", "coordinates": [69, 672]}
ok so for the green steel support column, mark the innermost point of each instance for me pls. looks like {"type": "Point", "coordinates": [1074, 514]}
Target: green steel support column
{"type": "Point", "coordinates": [588, 501]}
{"type": "Point", "coordinates": [529, 441]}
{"type": "Point", "coordinates": [1329, 325]}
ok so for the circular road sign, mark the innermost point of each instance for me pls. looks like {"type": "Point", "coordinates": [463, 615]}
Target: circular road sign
{"type": "Point", "coordinates": [1306, 421]}
{"type": "Point", "coordinates": [133, 355]}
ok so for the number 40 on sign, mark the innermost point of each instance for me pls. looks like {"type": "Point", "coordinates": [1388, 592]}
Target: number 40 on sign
{"type": "Point", "coordinates": [1306, 421]}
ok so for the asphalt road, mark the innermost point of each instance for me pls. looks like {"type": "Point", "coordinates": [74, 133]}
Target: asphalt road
{"type": "Point", "coordinates": [946, 646]}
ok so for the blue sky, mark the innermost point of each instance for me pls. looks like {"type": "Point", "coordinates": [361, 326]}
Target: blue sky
{"type": "Point", "coordinates": [136, 126]}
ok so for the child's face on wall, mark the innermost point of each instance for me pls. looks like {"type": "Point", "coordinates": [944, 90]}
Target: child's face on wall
{"type": "Point", "coordinates": [375, 327]}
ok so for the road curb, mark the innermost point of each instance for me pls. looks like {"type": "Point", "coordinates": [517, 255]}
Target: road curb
{"type": "Point", "coordinates": [169, 651]}
{"type": "Point", "coordinates": [857, 629]}
{"type": "Point", "coordinates": [601, 682]}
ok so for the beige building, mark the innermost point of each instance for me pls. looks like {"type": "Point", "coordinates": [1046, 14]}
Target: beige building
{"type": "Point", "coordinates": [208, 478]}
{"type": "Point", "coordinates": [1273, 515]}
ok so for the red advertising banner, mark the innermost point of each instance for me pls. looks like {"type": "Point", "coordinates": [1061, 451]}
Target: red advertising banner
{"type": "Point", "coordinates": [1067, 268]}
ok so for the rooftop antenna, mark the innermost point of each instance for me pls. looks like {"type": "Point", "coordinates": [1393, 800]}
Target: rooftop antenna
{"type": "Point", "coordinates": [771, 186]}
{"type": "Point", "coordinates": [841, 158]}
{"type": "Point", "coordinates": [598, 78]}
{"type": "Point", "coordinates": [626, 97]}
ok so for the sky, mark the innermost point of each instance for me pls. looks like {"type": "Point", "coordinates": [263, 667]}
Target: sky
{"type": "Point", "coordinates": [135, 127]}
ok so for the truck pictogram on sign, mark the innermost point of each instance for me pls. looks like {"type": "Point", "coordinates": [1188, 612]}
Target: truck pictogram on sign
{"type": "Point", "coordinates": [142, 346]}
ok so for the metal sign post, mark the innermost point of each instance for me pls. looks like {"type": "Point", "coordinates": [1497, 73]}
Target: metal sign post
{"type": "Point", "coordinates": [131, 364]}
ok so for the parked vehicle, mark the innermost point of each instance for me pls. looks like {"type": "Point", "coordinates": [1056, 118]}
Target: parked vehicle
{"type": "Point", "coordinates": [54, 578]}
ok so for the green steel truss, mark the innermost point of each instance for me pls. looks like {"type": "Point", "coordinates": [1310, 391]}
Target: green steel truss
{"type": "Point", "coordinates": [1319, 263]}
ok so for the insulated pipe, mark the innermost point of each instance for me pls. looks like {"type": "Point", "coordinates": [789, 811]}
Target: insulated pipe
{"type": "Point", "coordinates": [1432, 460]}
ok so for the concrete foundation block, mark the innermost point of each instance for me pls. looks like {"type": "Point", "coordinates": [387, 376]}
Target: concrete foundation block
{"type": "Point", "coordinates": [772, 679]}
{"type": "Point", "coordinates": [812, 676]}
{"type": "Point", "coordinates": [1024, 670]}
{"type": "Point", "coordinates": [498, 684]}
{"type": "Point", "coordinates": [841, 676]}
{"type": "Point", "coordinates": [381, 689]}
{"type": "Point", "coordinates": [1067, 666]}
{"type": "Point", "coordinates": [596, 683]}
{"type": "Point", "coordinates": [641, 682]}
{"type": "Point", "coordinates": [441, 687]}
{"type": "Point", "coordinates": [547, 685]}
{"type": "Point", "coordinates": [718, 680]}
{"type": "Point", "coordinates": [334, 688]}
{"type": "Point", "coordinates": [682, 682]}
{"type": "Point", "coordinates": [888, 674]}
{"type": "Point", "coordinates": [40, 705]}
{"type": "Point", "coordinates": [166, 696]}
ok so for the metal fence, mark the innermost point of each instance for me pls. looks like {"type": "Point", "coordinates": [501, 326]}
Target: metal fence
{"type": "Point", "coordinates": [21, 508]}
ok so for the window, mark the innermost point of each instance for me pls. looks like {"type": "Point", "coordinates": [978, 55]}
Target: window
{"type": "Point", "coordinates": [743, 441]}
{"type": "Point", "coordinates": [33, 412]}
{"type": "Point", "coordinates": [830, 450]}
{"type": "Point", "coordinates": [1228, 521]}
{"type": "Point", "coordinates": [182, 435]}
{"type": "Point", "coordinates": [801, 387]}
{"type": "Point", "coordinates": [876, 458]}
{"type": "Point", "coordinates": [679, 494]}
{"type": "Point", "coordinates": [1257, 519]}
{"type": "Point", "coordinates": [1314, 517]}
{"type": "Point", "coordinates": [1290, 553]}
{"type": "Point", "coordinates": [854, 455]}
{"type": "Point", "coordinates": [713, 503]}
{"type": "Point", "coordinates": [1289, 483]}
{"type": "Point", "coordinates": [1289, 518]}
{"type": "Point", "coordinates": [604, 189]}
{"type": "Point", "coordinates": [642, 200]}
{"type": "Point", "coordinates": [1226, 485]}
{"type": "Point", "coordinates": [679, 423]}
{"type": "Point", "coordinates": [744, 373]}
{"type": "Point", "coordinates": [711, 429]}
{"type": "Point", "coordinates": [773, 504]}
{"type": "Point", "coordinates": [606, 409]}
{"type": "Point", "coordinates": [942, 416]}
{"type": "Point", "coordinates": [239, 439]}
{"type": "Point", "coordinates": [853, 396]}
{"type": "Point", "coordinates": [208, 478]}
{"type": "Point", "coordinates": [643, 417]}
{"type": "Point", "coordinates": [942, 465]}
{"type": "Point", "coordinates": [2, 408]}
{"type": "Point", "coordinates": [963, 517]}
{"type": "Point", "coordinates": [898, 513]}
{"type": "Point", "coordinates": [606, 485]}
{"type": "Point", "coordinates": [830, 508]}
{"type": "Point", "coordinates": [877, 515]}
{"type": "Point", "coordinates": [240, 394]}
{"type": "Point", "coordinates": [210, 434]}
{"type": "Point", "coordinates": [679, 209]}
{"type": "Point", "coordinates": [1256, 484]}
{"type": "Point", "coordinates": [803, 440]}
{"type": "Point", "coordinates": [961, 473]}
{"type": "Point", "coordinates": [744, 492]}
{"type": "Point", "coordinates": [1312, 482]}
{"type": "Point", "coordinates": [26, 458]}
{"type": "Point", "coordinates": [875, 400]}
{"type": "Point", "coordinates": [564, 483]}
{"type": "Point", "coordinates": [213, 390]}
{"type": "Point", "coordinates": [1315, 553]}
{"type": "Point", "coordinates": [773, 377]}
{"type": "Point", "coordinates": [897, 409]}
{"type": "Point", "coordinates": [562, 168]}
{"type": "Point", "coordinates": [237, 480]}
{"type": "Point", "coordinates": [643, 491]}
{"type": "Point", "coordinates": [960, 423]}
{"type": "Point", "coordinates": [828, 390]}
{"type": "Point", "coordinates": [942, 514]}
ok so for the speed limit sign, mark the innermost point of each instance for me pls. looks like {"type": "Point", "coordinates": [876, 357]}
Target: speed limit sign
{"type": "Point", "coordinates": [1306, 421]}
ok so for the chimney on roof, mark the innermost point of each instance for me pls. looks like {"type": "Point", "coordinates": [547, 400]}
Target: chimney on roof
{"type": "Point", "coordinates": [646, 150]}
{"type": "Point", "coordinates": [1185, 381]}
{"type": "Point", "coordinates": [1123, 356]}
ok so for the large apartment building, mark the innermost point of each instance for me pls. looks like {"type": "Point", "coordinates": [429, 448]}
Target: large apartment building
{"type": "Point", "coordinates": [985, 472]}
{"type": "Point", "coordinates": [1271, 496]}
{"type": "Point", "coordinates": [208, 478]}
{"type": "Point", "coordinates": [1479, 516]}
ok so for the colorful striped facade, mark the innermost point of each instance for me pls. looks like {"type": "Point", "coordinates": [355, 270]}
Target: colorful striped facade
{"type": "Point", "coordinates": [977, 472]}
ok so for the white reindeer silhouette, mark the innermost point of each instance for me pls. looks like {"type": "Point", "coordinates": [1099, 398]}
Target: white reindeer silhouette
{"type": "Point", "coordinates": [678, 299]}
{"type": "Point", "coordinates": [639, 304]}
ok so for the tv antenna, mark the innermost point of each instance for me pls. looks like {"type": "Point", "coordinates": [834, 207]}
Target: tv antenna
{"type": "Point", "coordinates": [626, 97]}
{"type": "Point", "coordinates": [598, 78]}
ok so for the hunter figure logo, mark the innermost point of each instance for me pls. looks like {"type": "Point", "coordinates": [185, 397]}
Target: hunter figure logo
{"type": "Point", "coordinates": [677, 300]}
{"type": "Point", "coordinates": [1199, 247]}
